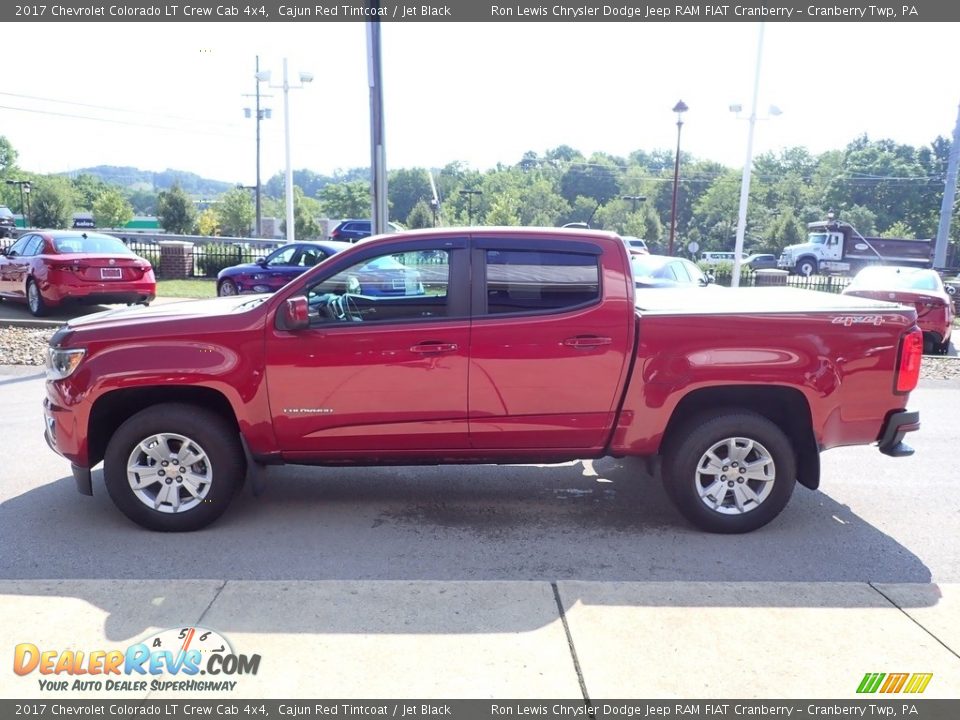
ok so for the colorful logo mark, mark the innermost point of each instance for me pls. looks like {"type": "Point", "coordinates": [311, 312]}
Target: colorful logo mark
{"type": "Point", "coordinates": [894, 682]}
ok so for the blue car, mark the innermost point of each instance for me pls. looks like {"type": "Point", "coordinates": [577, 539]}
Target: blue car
{"type": "Point", "coordinates": [269, 274]}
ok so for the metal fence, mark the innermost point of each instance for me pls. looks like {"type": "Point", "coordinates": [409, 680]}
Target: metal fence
{"type": "Point", "coordinates": [823, 283]}
{"type": "Point", "coordinates": [208, 258]}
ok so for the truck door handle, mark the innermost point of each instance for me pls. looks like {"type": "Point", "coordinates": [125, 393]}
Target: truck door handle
{"type": "Point", "coordinates": [587, 341]}
{"type": "Point", "coordinates": [430, 347]}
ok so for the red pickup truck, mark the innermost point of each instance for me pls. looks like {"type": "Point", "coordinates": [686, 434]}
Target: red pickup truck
{"type": "Point", "coordinates": [480, 346]}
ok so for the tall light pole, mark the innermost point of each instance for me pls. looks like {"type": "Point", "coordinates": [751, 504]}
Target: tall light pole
{"type": "Point", "coordinates": [747, 165]}
{"type": "Point", "coordinates": [469, 194]}
{"type": "Point", "coordinates": [305, 77]}
{"type": "Point", "coordinates": [680, 108]}
{"type": "Point", "coordinates": [24, 188]}
{"type": "Point", "coordinates": [261, 113]}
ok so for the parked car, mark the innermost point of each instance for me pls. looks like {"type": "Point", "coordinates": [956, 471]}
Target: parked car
{"type": "Point", "coordinates": [923, 289]}
{"type": "Point", "coordinates": [635, 245]}
{"type": "Point", "coordinates": [528, 346]}
{"type": "Point", "coordinates": [712, 257]}
{"type": "Point", "coordinates": [45, 268]}
{"type": "Point", "coordinates": [353, 230]}
{"type": "Point", "coordinates": [270, 273]}
{"type": "Point", "coordinates": [8, 224]}
{"type": "Point", "coordinates": [658, 271]}
{"type": "Point", "coordinates": [761, 261]}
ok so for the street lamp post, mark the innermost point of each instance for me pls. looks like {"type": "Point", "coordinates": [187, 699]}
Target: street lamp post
{"type": "Point", "coordinates": [261, 113]}
{"type": "Point", "coordinates": [680, 108]}
{"type": "Point", "coordinates": [24, 188]}
{"type": "Point", "coordinates": [305, 77]}
{"type": "Point", "coordinates": [634, 199]}
{"type": "Point", "coordinates": [469, 194]}
{"type": "Point", "coordinates": [748, 162]}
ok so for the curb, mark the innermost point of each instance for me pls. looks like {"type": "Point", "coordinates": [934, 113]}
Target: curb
{"type": "Point", "coordinates": [42, 324]}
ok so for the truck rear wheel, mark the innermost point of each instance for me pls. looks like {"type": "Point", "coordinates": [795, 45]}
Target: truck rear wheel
{"type": "Point", "coordinates": [174, 467]}
{"type": "Point", "coordinates": [729, 471]}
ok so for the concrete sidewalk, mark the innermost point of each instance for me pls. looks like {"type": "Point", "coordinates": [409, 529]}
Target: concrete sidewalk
{"type": "Point", "coordinates": [564, 640]}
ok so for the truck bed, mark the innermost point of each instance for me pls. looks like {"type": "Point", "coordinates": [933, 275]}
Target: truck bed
{"type": "Point", "coordinates": [773, 300]}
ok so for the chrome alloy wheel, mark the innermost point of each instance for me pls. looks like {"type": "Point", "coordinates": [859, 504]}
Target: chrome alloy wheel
{"type": "Point", "coordinates": [735, 476]}
{"type": "Point", "coordinates": [169, 473]}
{"type": "Point", "coordinates": [33, 297]}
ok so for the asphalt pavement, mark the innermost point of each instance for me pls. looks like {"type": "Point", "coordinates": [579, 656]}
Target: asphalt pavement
{"type": "Point", "coordinates": [565, 581]}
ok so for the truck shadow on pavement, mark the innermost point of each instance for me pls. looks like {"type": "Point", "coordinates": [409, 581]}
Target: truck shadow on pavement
{"type": "Point", "coordinates": [578, 527]}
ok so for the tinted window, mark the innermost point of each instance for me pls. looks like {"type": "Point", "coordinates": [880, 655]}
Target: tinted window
{"type": "Point", "coordinates": [539, 281]}
{"type": "Point", "coordinates": [33, 247]}
{"type": "Point", "coordinates": [98, 244]}
{"type": "Point", "coordinates": [679, 272]}
{"type": "Point", "coordinates": [400, 286]}
{"type": "Point", "coordinates": [284, 256]}
{"type": "Point", "coordinates": [19, 245]}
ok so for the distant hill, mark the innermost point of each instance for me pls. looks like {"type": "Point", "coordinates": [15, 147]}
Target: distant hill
{"type": "Point", "coordinates": [136, 179]}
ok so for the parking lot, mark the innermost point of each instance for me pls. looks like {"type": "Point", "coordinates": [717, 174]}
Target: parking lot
{"type": "Point", "coordinates": [520, 581]}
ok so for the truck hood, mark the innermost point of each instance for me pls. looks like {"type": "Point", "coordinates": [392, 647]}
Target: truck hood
{"type": "Point", "coordinates": [171, 311]}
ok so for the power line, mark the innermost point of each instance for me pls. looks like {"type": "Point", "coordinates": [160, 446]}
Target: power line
{"type": "Point", "coordinates": [193, 131]}
{"type": "Point", "coordinates": [108, 107]}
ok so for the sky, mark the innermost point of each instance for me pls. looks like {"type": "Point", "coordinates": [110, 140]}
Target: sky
{"type": "Point", "coordinates": [172, 95]}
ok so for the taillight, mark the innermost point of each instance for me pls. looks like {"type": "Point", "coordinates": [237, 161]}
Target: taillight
{"type": "Point", "coordinates": [908, 364]}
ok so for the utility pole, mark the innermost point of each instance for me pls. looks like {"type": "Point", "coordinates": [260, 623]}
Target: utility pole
{"type": "Point", "coordinates": [378, 158]}
{"type": "Point", "coordinates": [949, 194]}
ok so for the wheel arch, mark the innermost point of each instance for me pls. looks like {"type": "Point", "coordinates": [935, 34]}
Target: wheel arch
{"type": "Point", "coordinates": [784, 406]}
{"type": "Point", "coordinates": [114, 408]}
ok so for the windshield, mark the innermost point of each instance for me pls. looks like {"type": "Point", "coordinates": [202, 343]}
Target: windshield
{"type": "Point", "coordinates": [647, 265]}
{"type": "Point", "coordinates": [818, 238]}
{"type": "Point", "coordinates": [897, 278]}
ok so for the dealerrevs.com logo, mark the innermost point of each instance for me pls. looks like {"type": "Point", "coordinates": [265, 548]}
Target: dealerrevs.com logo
{"type": "Point", "coordinates": [894, 682]}
{"type": "Point", "coordinates": [189, 659]}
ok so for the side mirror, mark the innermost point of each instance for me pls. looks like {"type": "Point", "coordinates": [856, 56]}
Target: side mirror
{"type": "Point", "coordinates": [261, 261]}
{"type": "Point", "coordinates": [295, 313]}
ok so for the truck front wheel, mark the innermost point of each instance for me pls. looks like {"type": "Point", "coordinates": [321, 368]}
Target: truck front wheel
{"type": "Point", "coordinates": [729, 471]}
{"type": "Point", "coordinates": [807, 267]}
{"type": "Point", "coordinates": [174, 467]}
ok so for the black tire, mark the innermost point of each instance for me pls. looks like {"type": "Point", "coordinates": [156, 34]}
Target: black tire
{"type": "Point", "coordinates": [35, 302]}
{"type": "Point", "coordinates": [686, 472]}
{"type": "Point", "coordinates": [931, 344]}
{"type": "Point", "coordinates": [807, 267]}
{"type": "Point", "coordinates": [224, 466]}
{"type": "Point", "coordinates": [227, 288]}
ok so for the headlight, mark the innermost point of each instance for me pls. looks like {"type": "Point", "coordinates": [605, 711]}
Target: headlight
{"type": "Point", "coordinates": [61, 363]}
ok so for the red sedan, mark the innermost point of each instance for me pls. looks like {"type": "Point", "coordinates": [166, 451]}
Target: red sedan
{"type": "Point", "coordinates": [46, 268]}
{"type": "Point", "coordinates": [911, 286]}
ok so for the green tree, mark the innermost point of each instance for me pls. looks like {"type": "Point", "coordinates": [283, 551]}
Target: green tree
{"type": "Point", "coordinates": [8, 156]}
{"type": "Point", "coordinates": [421, 216]}
{"type": "Point", "coordinates": [87, 188]}
{"type": "Point", "coordinates": [504, 210]}
{"type": "Point", "coordinates": [346, 200]}
{"type": "Point", "coordinates": [208, 223]}
{"type": "Point", "coordinates": [305, 212]}
{"type": "Point", "coordinates": [111, 209]}
{"type": "Point", "coordinates": [51, 203]}
{"type": "Point", "coordinates": [405, 189]}
{"type": "Point", "coordinates": [236, 212]}
{"type": "Point", "coordinates": [175, 211]}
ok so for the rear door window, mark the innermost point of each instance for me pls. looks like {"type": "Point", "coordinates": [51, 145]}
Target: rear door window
{"type": "Point", "coordinates": [537, 281]}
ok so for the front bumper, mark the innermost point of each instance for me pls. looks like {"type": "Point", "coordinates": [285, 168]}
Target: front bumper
{"type": "Point", "coordinates": [897, 425]}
